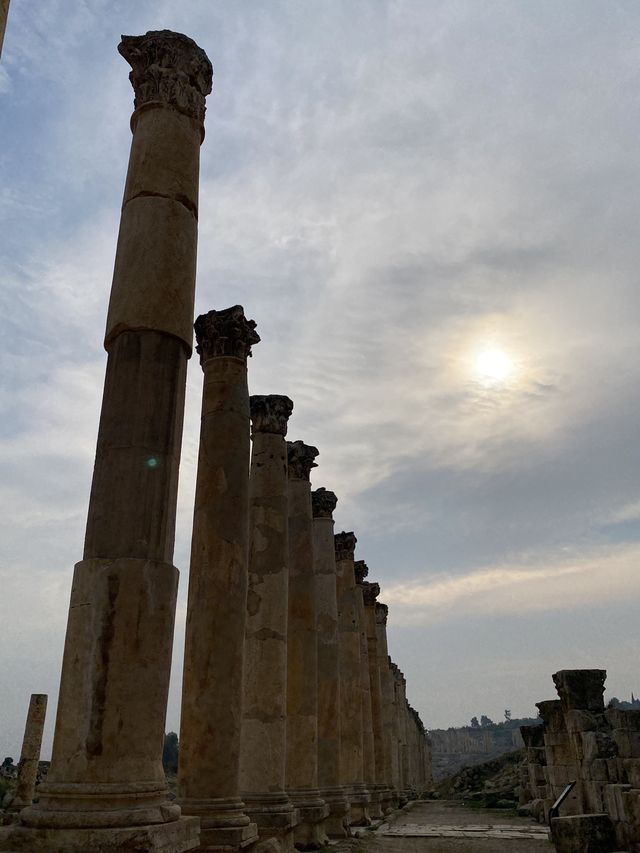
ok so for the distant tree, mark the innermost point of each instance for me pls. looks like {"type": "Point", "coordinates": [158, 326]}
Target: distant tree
{"type": "Point", "coordinates": [507, 714]}
{"type": "Point", "coordinates": [8, 762]}
{"type": "Point", "coordinates": [170, 753]}
{"type": "Point", "coordinates": [474, 723]}
{"type": "Point", "coordinates": [614, 702]}
{"type": "Point", "coordinates": [485, 721]}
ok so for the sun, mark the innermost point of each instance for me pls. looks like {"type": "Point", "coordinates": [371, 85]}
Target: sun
{"type": "Point", "coordinates": [493, 366]}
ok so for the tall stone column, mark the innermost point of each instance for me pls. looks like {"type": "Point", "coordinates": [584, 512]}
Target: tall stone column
{"type": "Point", "coordinates": [370, 592]}
{"type": "Point", "coordinates": [351, 751]}
{"type": "Point", "coordinates": [386, 705]}
{"type": "Point", "coordinates": [263, 747]}
{"type": "Point", "coordinates": [398, 734]}
{"type": "Point", "coordinates": [329, 729]}
{"type": "Point", "coordinates": [302, 656]}
{"type": "Point", "coordinates": [368, 743]}
{"type": "Point", "coordinates": [30, 753]}
{"type": "Point", "coordinates": [210, 725]}
{"type": "Point", "coordinates": [106, 780]}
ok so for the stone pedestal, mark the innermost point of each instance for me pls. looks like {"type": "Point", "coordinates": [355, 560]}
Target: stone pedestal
{"type": "Point", "coordinates": [210, 726]}
{"type": "Point", "coordinates": [351, 750]}
{"type": "Point", "coordinates": [263, 747]}
{"type": "Point", "coordinates": [368, 743]}
{"type": "Point", "coordinates": [302, 656]}
{"type": "Point", "coordinates": [329, 728]}
{"type": "Point", "coordinates": [30, 752]}
{"type": "Point", "coordinates": [106, 783]}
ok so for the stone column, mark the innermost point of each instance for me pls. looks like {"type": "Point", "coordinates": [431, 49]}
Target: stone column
{"type": "Point", "coordinates": [386, 703]}
{"type": "Point", "coordinates": [329, 728]}
{"type": "Point", "coordinates": [302, 656]}
{"type": "Point", "coordinates": [370, 592]}
{"type": "Point", "coordinates": [263, 747]}
{"type": "Point", "coordinates": [561, 766]}
{"type": "Point", "coordinates": [210, 725]}
{"type": "Point", "coordinates": [30, 753]}
{"type": "Point", "coordinates": [351, 751]}
{"type": "Point", "coordinates": [398, 734]}
{"type": "Point", "coordinates": [368, 743]}
{"type": "Point", "coordinates": [106, 779]}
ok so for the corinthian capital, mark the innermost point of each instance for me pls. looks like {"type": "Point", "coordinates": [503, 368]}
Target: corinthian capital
{"type": "Point", "coordinates": [270, 413]}
{"type": "Point", "coordinates": [300, 458]}
{"type": "Point", "coordinates": [170, 69]}
{"type": "Point", "coordinates": [361, 570]}
{"type": "Point", "coordinates": [225, 333]}
{"type": "Point", "coordinates": [382, 612]}
{"type": "Point", "coordinates": [345, 545]}
{"type": "Point", "coordinates": [370, 591]}
{"type": "Point", "coordinates": [323, 503]}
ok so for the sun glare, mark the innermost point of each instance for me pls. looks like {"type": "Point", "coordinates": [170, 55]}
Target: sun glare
{"type": "Point", "coordinates": [493, 366]}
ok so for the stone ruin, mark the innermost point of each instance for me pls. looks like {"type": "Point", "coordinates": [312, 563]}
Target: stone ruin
{"type": "Point", "coordinates": [295, 726]}
{"type": "Point", "coordinates": [598, 748]}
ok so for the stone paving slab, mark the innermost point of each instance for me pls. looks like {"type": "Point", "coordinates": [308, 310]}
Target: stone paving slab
{"type": "Point", "coordinates": [497, 831]}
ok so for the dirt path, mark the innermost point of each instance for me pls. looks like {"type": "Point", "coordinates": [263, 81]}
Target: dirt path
{"type": "Point", "coordinates": [448, 827]}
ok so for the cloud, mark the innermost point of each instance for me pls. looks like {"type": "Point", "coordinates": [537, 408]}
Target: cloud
{"type": "Point", "coordinates": [546, 583]}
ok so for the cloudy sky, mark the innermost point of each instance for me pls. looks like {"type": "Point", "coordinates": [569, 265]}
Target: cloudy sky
{"type": "Point", "coordinates": [431, 211]}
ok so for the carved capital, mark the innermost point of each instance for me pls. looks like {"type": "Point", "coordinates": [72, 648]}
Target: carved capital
{"type": "Point", "coordinates": [270, 413]}
{"type": "Point", "coordinates": [345, 545]}
{"type": "Point", "coordinates": [300, 458]}
{"type": "Point", "coordinates": [361, 570]}
{"type": "Point", "coordinates": [170, 69]}
{"type": "Point", "coordinates": [382, 613]}
{"type": "Point", "coordinates": [370, 591]}
{"type": "Point", "coordinates": [225, 333]}
{"type": "Point", "coordinates": [323, 503]}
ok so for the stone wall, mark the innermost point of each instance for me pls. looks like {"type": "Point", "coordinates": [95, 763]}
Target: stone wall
{"type": "Point", "coordinates": [598, 748]}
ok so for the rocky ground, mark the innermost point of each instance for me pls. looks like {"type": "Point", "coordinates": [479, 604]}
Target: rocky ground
{"type": "Point", "coordinates": [493, 784]}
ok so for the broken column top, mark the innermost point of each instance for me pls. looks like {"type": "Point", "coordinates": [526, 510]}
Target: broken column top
{"type": "Point", "coordinates": [581, 689]}
{"type": "Point", "coordinates": [323, 503]}
{"type": "Point", "coordinates": [225, 333]}
{"type": "Point", "coordinates": [370, 591]}
{"type": "Point", "coordinates": [345, 545]}
{"type": "Point", "coordinates": [300, 458]}
{"type": "Point", "coordinates": [168, 69]}
{"type": "Point", "coordinates": [532, 736]}
{"type": "Point", "coordinates": [270, 413]}
{"type": "Point", "coordinates": [551, 714]}
{"type": "Point", "coordinates": [382, 612]}
{"type": "Point", "coordinates": [361, 570]}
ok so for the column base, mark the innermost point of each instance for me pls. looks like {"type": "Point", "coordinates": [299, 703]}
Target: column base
{"type": "Point", "coordinates": [310, 833]}
{"type": "Point", "coordinates": [276, 818]}
{"type": "Point", "coordinates": [359, 799]}
{"type": "Point", "coordinates": [337, 821]}
{"type": "Point", "coordinates": [174, 837]}
{"type": "Point", "coordinates": [375, 803]}
{"type": "Point", "coordinates": [223, 824]}
{"type": "Point", "coordinates": [389, 801]}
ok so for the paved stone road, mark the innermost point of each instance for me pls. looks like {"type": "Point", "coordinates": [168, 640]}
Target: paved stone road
{"type": "Point", "coordinates": [448, 827]}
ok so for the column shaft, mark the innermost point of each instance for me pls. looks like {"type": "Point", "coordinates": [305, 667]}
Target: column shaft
{"type": "Point", "coordinates": [386, 705]}
{"type": "Point", "coordinates": [329, 727]}
{"type": "Point", "coordinates": [30, 753]}
{"type": "Point", "coordinates": [210, 727]}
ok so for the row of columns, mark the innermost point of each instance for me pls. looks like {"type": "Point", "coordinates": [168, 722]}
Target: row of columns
{"type": "Point", "coordinates": [294, 723]}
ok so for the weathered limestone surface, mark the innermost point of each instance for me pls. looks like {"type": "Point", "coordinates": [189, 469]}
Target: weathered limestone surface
{"type": "Point", "coordinates": [351, 751]}
{"type": "Point", "coordinates": [210, 726]}
{"type": "Point", "coordinates": [386, 706]}
{"type": "Point", "coordinates": [370, 593]}
{"type": "Point", "coordinates": [302, 656]}
{"type": "Point", "coordinates": [368, 742]}
{"type": "Point", "coordinates": [106, 773]}
{"type": "Point", "coordinates": [263, 747]}
{"type": "Point", "coordinates": [329, 723]}
{"type": "Point", "coordinates": [30, 753]}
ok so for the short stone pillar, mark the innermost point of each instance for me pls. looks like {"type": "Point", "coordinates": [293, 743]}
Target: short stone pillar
{"type": "Point", "coordinates": [30, 753]}
{"type": "Point", "coordinates": [560, 767]}
{"type": "Point", "coordinates": [263, 747]}
{"type": "Point", "coordinates": [351, 751]}
{"type": "Point", "coordinates": [368, 741]}
{"type": "Point", "coordinates": [370, 593]}
{"type": "Point", "coordinates": [329, 727]}
{"type": "Point", "coordinates": [386, 704]}
{"type": "Point", "coordinates": [302, 656]}
{"type": "Point", "coordinates": [210, 725]}
{"type": "Point", "coordinates": [106, 785]}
